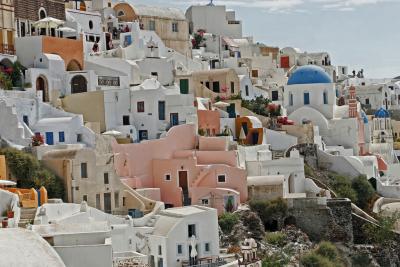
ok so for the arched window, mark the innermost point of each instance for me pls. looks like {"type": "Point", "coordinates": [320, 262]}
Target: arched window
{"type": "Point", "coordinates": [42, 13]}
{"type": "Point", "coordinates": [90, 24]}
{"type": "Point", "coordinates": [120, 13]}
{"type": "Point", "coordinates": [325, 97]}
{"type": "Point", "coordinates": [306, 98]}
{"type": "Point", "coordinates": [290, 99]}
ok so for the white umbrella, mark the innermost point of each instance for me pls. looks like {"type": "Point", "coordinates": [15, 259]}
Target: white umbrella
{"type": "Point", "coordinates": [193, 253]}
{"type": "Point", "coordinates": [242, 135]}
{"type": "Point", "coordinates": [48, 22]}
{"type": "Point", "coordinates": [113, 133]}
{"type": "Point", "coordinates": [66, 29]}
{"type": "Point", "coordinates": [221, 104]}
{"type": "Point", "coordinates": [7, 183]}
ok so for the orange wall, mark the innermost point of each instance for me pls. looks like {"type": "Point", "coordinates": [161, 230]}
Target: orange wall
{"type": "Point", "coordinates": [67, 49]}
{"type": "Point", "coordinates": [3, 168]}
{"type": "Point", "coordinates": [209, 119]}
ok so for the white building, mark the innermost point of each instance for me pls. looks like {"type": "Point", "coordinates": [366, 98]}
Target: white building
{"type": "Point", "coordinates": [214, 19]}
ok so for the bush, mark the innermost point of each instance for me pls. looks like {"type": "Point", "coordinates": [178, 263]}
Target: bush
{"type": "Point", "coordinates": [313, 259]}
{"type": "Point", "coordinates": [276, 239]}
{"type": "Point", "coordinates": [327, 250]}
{"type": "Point", "coordinates": [382, 234]}
{"type": "Point", "coordinates": [269, 209]}
{"type": "Point", "coordinates": [365, 191]}
{"type": "Point", "coordinates": [227, 220]}
{"type": "Point", "coordinates": [31, 174]}
{"type": "Point", "coordinates": [275, 260]}
{"type": "Point", "coordinates": [360, 260]}
{"type": "Point", "coordinates": [342, 186]}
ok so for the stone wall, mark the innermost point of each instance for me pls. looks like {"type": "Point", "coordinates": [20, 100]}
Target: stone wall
{"type": "Point", "coordinates": [29, 9]}
{"type": "Point", "coordinates": [323, 219]}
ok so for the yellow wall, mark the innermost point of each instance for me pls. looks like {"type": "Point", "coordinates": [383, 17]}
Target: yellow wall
{"type": "Point", "coordinates": [90, 105]}
{"type": "Point", "coordinates": [3, 168]}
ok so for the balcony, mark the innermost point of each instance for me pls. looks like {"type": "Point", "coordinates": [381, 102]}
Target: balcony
{"type": "Point", "coordinates": [7, 49]}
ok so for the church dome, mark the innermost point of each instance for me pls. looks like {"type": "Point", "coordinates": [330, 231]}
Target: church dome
{"type": "Point", "coordinates": [382, 113]}
{"type": "Point", "coordinates": [308, 75]}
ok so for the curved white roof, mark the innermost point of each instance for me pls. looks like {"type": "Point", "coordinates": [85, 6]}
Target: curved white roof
{"type": "Point", "coordinates": [21, 247]}
{"type": "Point", "coordinates": [162, 12]}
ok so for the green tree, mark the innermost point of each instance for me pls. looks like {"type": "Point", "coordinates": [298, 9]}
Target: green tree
{"type": "Point", "coordinates": [227, 220]}
{"type": "Point", "coordinates": [342, 187]}
{"type": "Point", "coordinates": [31, 174]}
{"type": "Point", "coordinates": [16, 74]}
{"type": "Point", "coordinates": [365, 191]}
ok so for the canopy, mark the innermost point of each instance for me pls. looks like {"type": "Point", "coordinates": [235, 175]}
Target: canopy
{"type": "Point", "coordinates": [66, 29]}
{"type": "Point", "coordinates": [48, 22]}
{"type": "Point", "coordinates": [113, 133]}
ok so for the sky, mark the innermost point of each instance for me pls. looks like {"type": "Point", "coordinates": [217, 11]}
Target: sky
{"type": "Point", "coordinates": [356, 33]}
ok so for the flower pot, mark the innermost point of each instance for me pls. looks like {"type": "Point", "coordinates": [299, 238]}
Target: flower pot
{"type": "Point", "coordinates": [4, 223]}
{"type": "Point", "coordinates": [10, 214]}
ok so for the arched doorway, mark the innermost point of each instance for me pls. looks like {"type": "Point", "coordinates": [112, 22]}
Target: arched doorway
{"type": "Point", "coordinates": [41, 85]}
{"type": "Point", "coordinates": [74, 65]}
{"type": "Point", "coordinates": [78, 84]}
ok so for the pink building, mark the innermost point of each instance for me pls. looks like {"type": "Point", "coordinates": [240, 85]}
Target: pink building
{"type": "Point", "coordinates": [208, 175]}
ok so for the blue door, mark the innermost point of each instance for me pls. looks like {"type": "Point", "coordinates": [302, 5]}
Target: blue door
{"type": "Point", "coordinates": [161, 110]}
{"type": "Point", "coordinates": [49, 138]}
{"type": "Point", "coordinates": [174, 119]}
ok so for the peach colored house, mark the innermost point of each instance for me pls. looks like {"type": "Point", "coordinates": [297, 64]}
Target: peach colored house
{"type": "Point", "coordinates": [208, 176]}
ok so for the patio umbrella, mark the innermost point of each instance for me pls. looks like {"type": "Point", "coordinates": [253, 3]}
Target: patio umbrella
{"type": "Point", "coordinates": [7, 183]}
{"type": "Point", "coordinates": [221, 104]}
{"type": "Point", "coordinates": [193, 253]}
{"type": "Point", "coordinates": [48, 22]}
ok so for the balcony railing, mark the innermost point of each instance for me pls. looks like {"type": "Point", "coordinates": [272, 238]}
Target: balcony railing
{"type": "Point", "coordinates": [7, 49]}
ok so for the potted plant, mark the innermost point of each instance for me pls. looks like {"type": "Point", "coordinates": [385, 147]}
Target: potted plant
{"type": "Point", "coordinates": [4, 223]}
{"type": "Point", "coordinates": [10, 214]}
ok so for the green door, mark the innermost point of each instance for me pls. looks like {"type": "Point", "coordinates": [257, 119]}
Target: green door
{"type": "Point", "coordinates": [184, 85]}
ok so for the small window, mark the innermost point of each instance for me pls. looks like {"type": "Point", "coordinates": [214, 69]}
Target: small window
{"type": "Point", "coordinates": [123, 201]}
{"type": "Point", "coordinates": [275, 95]}
{"type": "Point", "coordinates": [207, 247]}
{"type": "Point", "coordinates": [168, 177]}
{"type": "Point", "coordinates": [25, 119]}
{"type": "Point", "coordinates": [116, 199]}
{"type": "Point", "coordinates": [140, 106]}
{"type": "Point", "coordinates": [204, 201]}
{"type": "Point", "coordinates": [106, 181]}
{"type": "Point", "coordinates": [216, 88]}
{"type": "Point", "coordinates": [84, 198]}
{"type": "Point", "coordinates": [152, 25]}
{"type": "Point", "coordinates": [90, 24]}
{"type": "Point", "coordinates": [221, 178]}
{"type": "Point", "coordinates": [367, 101]}
{"type": "Point", "coordinates": [61, 137]}
{"type": "Point", "coordinates": [126, 120]}
{"type": "Point", "coordinates": [159, 250]}
{"type": "Point", "coordinates": [191, 230]}
{"type": "Point", "coordinates": [175, 27]}
{"type": "Point", "coordinates": [306, 98]}
{"type": "Point", "coordinates": [208, 85]}
{"type": "Point", "coordinates": [154, 74]}
{"type": "Point", "coordinates": [179, 250]}
{"type": "Point", "coordinates": [325, 98]}
{"type": "Point", "coordinates": [290, 99]}
{"type": "Point", "coordinates": [79, 138]}
{"type": "Point", "coordinates": [247, 90]}
{"type": "Point", "coordinates": [232, 87]}
{"type": "Point", "coordinates": [84, 173]}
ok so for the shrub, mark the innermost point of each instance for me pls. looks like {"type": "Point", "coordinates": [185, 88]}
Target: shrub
{"type": "Point", "coordinates": [342, 186]}
{"type": "Point", "coordinates": [360, 260]}
{"type": "Point", "coordinates": [227, 220]}
{"type": "Point", "coordinates": [382, 234]}
{"type": "Point", "coordinates": [327, 250]}
{"type": "Point", "coordinates": [276, 238]}
{"type": "Point", "coordinates": [313, 259]}
{"type": "Point", "coordinates": [31, 174]}
{"type": "Point", "coordinates": [365, 191]}
{"type": "Point", "coordinates": [275, 260]}
{"type": "Point", "coordinates": [269, 209]}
